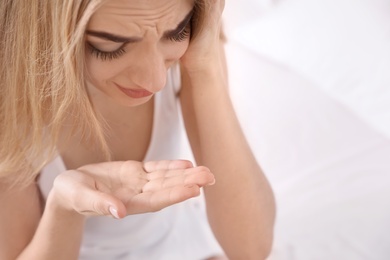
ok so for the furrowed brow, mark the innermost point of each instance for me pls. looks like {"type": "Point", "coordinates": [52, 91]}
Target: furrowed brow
{"type": "Point", "coordinates": [113, 37]}
{"type": "Point", "coordinates": [123, 39]}
{"type": "Point", "coordinates": [180, 27]}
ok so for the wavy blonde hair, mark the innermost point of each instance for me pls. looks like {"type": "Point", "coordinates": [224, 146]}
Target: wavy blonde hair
{"type": "Point", "coordinates": [42, 81]}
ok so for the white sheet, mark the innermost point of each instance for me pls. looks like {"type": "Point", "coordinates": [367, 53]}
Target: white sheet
{"type": "Point", "coordinates": [343, 46]}
{"type": "Point", "coordinates": [315, 124]}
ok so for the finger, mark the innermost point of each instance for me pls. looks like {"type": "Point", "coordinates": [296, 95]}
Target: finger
{"type": "Point", "coordinates": [94, 202]}
{"type": "Point", "coordinates": [199, 176]}
{"type": "Point", "coordinates": [174, 172]}
{"type": "Point", "coordinates": [167, 165]}
{"type": "Point", "coordinates": [155, 201]}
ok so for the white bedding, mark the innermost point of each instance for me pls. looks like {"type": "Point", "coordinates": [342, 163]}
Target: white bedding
{"type": "Point", "coordinates": [310, 82]}
{"type": "Point", "coordinates": [341, 45]}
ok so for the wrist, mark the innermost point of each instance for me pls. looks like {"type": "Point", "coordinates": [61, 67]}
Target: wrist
{"type": "Point", "coordinates": [207, 69]}
{"type": "Point", "coordinates": [207, 79]}
{"type": "Point", "coordinates": [201, 66]}
{"type": "Point", "coordinates": [57, 206]}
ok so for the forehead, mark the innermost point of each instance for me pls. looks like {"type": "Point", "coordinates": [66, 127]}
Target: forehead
{"type": "Point", "coordinates": [124, 14]}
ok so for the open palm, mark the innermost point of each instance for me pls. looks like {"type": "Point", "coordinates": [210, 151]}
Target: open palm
{"type": "Point", "coordinates": [130, 187]}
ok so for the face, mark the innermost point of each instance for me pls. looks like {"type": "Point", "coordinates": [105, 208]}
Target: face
{"type": "Point", "coordinates": [132, 43]}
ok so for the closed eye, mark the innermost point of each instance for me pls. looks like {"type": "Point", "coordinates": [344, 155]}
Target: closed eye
{"type": "Point", "coordinates": [181, 36]}
{"type": "Point", "coordinates": [182, 31]}
{"type": "Point", "coordinates": [106, 55]}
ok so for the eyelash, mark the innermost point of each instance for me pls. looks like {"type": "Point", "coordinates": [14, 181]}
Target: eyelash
{"type": "Point", "coordinates": [108, 56]}
{"type": "Point", "coordinates": [104, 55]}
{"type": "Point", "coordinates": [183, 35]}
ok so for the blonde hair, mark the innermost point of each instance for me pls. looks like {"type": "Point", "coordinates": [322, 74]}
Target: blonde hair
{"type": "Point", "coordinates": [41, 72]}
{"type": "Point", "coordinates": [42, 82]}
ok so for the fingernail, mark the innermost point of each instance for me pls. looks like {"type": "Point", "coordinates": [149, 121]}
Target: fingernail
{"type": "Point", "coordinates": [113, 212]}
{"type": "Point", "coordinates": [212, 183]}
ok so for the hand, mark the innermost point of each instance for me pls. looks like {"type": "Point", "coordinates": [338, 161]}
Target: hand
{"type": "Point", "coordinates": [129, 187]}
{"type": "Point", "coordinates": [204, 48]}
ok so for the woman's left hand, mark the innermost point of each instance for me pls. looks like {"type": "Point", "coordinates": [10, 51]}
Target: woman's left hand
{"type": "Point", "coordinates": [204, 48]}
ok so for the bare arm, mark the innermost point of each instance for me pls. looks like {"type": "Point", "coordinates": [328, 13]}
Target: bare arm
{"type": "Point", "coordinates": [126, 188]}
{"type": "Point", "coordinates": [58, 235]}
{"type": "Point", "coordinates": [240, 206]}
{"type": "Point", "coordinates": [27, 234]}
{"type": "Point", "coordinates": [19, 217]}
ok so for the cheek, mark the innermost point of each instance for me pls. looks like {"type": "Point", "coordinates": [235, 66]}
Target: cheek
{"type": "Point", "coordinates": [99, 71]}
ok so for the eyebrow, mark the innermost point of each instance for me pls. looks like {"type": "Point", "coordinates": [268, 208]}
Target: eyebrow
{"type": "Point", "coordinates": [113, 37]}
{"type": "Point", "coordinates": [180, 27]}
{"type": "Point", "coordinates": [122, 39]}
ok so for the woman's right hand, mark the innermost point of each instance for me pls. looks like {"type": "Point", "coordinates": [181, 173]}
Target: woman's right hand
{"type": "Point", "coordinates": [129, 187]}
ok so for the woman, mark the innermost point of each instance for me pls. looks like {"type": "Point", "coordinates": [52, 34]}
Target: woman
{"type": "Point", "coordinates": [93, 84]}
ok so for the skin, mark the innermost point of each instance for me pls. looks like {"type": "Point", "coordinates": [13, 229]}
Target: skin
{"type": "Point", "coordinates": [240, 205]}
{"type": "Point", "coordinates": [147, 58]}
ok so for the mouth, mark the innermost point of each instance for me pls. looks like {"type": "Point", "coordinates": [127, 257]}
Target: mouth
{"type": "Point", "coordinates": [134, 93]}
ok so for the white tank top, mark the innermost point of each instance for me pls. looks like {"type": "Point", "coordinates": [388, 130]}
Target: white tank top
{"type": "Point", "coordinates": [179, 232]}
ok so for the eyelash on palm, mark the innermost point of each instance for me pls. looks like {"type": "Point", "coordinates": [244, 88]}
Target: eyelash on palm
{"type": "Point", "coordinates": [104, 56]}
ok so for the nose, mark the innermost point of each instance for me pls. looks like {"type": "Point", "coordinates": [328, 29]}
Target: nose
{"type": "Point", "coordinates": [148, 70]}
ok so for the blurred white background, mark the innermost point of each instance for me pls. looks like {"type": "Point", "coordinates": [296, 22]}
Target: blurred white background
{"type": "Point", "coordinates": [310, 80]}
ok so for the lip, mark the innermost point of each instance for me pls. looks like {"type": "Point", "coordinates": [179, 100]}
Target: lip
{"type": "Point", "coordinates": [134, 93]}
